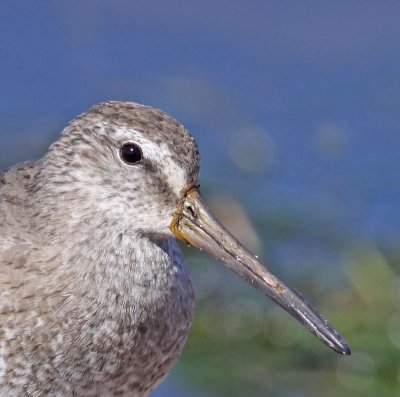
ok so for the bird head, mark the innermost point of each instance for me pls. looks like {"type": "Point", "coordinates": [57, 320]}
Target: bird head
{"type": "Point", "coordinates": [136, 168]}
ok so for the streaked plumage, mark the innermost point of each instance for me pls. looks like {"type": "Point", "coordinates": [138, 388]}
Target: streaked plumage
{"type": "Point", "coordinates": [94, 297]}
{"type": "Point", "coordinates": [93, 292]}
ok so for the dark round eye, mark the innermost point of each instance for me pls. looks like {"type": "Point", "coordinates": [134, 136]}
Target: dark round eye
{"type": "Point", "coordinates": [131, 153]}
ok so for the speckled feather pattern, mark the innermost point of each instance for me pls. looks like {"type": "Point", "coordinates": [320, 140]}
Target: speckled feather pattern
{"type": "Point", "coordinates": [95, 298]}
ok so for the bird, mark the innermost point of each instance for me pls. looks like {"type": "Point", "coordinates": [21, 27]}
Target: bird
{"type": "Point", "coordinates": [95, 298]}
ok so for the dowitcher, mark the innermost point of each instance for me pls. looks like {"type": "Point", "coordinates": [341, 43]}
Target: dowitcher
{"type": "Point", "coordinates": [95, 297]}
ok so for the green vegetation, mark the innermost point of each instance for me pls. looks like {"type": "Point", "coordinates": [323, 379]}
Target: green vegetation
{"type": "Point", "coordinates": [241, 345]}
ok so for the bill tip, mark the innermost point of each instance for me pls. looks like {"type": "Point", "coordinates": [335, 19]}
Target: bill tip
{"type": "Point", "coordinates": [346, 350]}
{"type": "Point", "coordinates": [343, 348]}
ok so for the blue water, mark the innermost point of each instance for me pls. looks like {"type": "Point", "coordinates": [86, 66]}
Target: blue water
{"type": "Point", "coordinates": [304, 77]}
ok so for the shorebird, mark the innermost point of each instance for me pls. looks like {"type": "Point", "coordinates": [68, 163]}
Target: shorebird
{"type": "Point", "coordinates": [95, 299]}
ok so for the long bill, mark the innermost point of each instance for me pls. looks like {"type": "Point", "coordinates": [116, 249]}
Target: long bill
{"type": "Point", "coordinates": [194, 224]}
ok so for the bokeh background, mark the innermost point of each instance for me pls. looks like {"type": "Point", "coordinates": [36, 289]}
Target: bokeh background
{"type": "Point", "coordinates": [296, 109]}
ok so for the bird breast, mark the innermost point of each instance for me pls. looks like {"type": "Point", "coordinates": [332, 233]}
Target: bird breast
{"type": "Point", "coordinates": [115, 322]}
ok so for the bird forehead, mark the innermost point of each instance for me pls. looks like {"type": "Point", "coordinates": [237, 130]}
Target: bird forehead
{"type": "Point", "coordinates": [123, 120]}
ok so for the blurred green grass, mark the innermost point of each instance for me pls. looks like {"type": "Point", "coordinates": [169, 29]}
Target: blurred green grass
{"type": "Point", "coordinates": [242, 345]}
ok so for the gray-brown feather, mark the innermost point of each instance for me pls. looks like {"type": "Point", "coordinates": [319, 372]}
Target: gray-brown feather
{"type": "Point", "coordinates": [94, 296]}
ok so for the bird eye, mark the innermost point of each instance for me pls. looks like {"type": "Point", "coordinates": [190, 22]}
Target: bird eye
{"type": "Point", "coordinates": [131, 153]}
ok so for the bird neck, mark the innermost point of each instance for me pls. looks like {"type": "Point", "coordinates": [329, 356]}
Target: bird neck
{"type": "Point", "coordinates": [128, 275]}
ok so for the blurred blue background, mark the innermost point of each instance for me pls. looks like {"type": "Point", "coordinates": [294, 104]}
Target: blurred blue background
{"type": "Point", "coordinates": [296, 109]}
